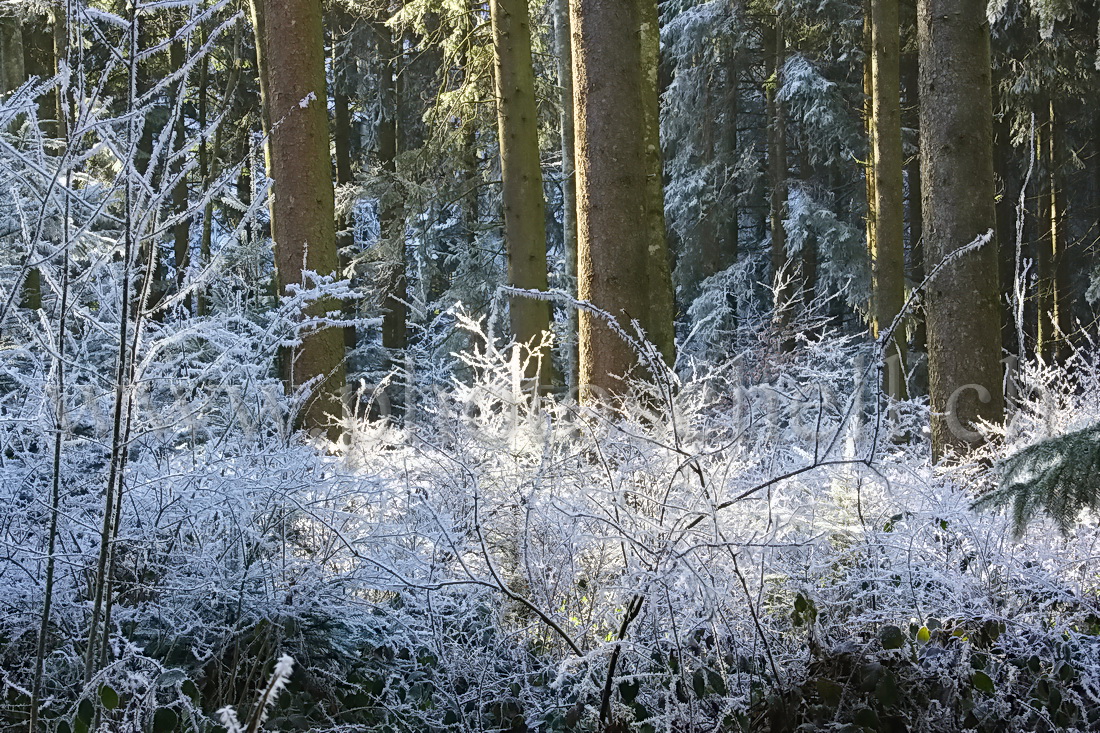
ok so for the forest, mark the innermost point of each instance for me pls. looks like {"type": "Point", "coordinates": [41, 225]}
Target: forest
{"type": "Point", "coordinates": [592, 366]}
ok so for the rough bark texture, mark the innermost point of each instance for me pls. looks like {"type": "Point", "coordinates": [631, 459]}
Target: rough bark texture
{"type": "Point", "coordinates": [783, 278]}
{"type": "Point", "coordinates": [564, 47]}
{"type": "Point", "coordinates": [888, 246]}
{"type": "Point", "coordinates": [521, 174]}
{"type": "Point", "coordinates": [392, 224]}
{"type": "Point", "coordinates": [911, 78]}
{"type": "Point", "coordinates": [659, 322]}
{"type": "Point", "coordinates": [181, 230]}
{"type": "Point", "coordinates": [1050, 262]}
{"type": "Point", "coordinates": [869, 124]}
{"type": "Point", "coordinates": [12, 72]}
{"type": "Point", "coordinates": [303, 209]}
{"type": "Point", "coordinates": [956, 118]}
{"type": "Point", "coordinates": [342, 134]}
{"type": "Point", "coordinates": [621, 251]}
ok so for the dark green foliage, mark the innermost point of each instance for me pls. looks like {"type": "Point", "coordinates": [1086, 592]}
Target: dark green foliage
{"type": "Point", "coordinates": [955, 674]}
{"type": "Point", "coordinates": [1059, 477]}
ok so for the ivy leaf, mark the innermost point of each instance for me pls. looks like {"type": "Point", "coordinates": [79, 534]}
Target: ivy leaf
{"type": "Point", "coordinates": [629, 691]}
{"type": "Point", "coordinates": [699, 684]}
{"type": "Point", "coordinates": [982, 681]}
{"type": "Point", "coordinates": [108, 697]}
{"type": "Point", "coordinates": [891, 637]}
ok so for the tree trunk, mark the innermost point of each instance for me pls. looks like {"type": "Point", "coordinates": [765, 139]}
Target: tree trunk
{"type": "Point", "coordinates": [342, 133]}
{"type": "Point", "coordinates": [12, 70]}
{"type": "Point", "coordinates": [181, 231]}
{"type": "Point", "coordinates": [659, 323]}
{"type": "Point", "coordinates": [1063, 293]}
{"type": "Point", "coordinates": [303, 207]}
{"type": "Point", "coordinates": [869, 126]}
{"type": "Point", "coordinates": [782, 276]}
{"type": "Point", "coordinates": [521, 174]}
{"type": "Point", "coordinates": [564, 47]}
{"type": "Point", "coordinates": [619, 197]}
{"type": "Point", "coordinates": [911, 78]}
{"type": "Point", "coordinates": [888, 253]}
{"type": "Point", "coordinates": [12, 74]}
{"type": "Point", "coordinates": [1049, 260]}
{"type": "Point", "coordinates": [956, 119]}
{"type": "Point", "coordinates": [391, 222]}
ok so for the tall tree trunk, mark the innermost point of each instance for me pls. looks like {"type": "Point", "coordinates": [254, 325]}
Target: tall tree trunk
{"type": "Point", "coordinates": [564, 47]}
{"type": "Point", "coordinates": [1063, 293]}
{"type": "Point", "coordinates": [395, 313]}
{"type": "Point", "coordinates": [521, 174]}
{"type": "Point", "coordinates": [12, 69]}
{"type": "Point", "coordinates": [911, 78]}
{"type": "Point", "coordinates": [60, 54]}
{"type": "Point", "coordinates": [783, 279]}
{"type": "Point", "coordinates": [342, 133]}
{"type": "Point", "coordinates": [659, 323]}
{"type": "Point", "coordinates": [732, 151]}
{"type": "Point", "coordinates": [888, 253]}
{"type": "Point", "coordinates": [181, 231]}
{"type": "Point", "coordinates": [1050, 270]}
{"type": "Point", "coordinates": [869, 126]}
{"type": "Point", "coordinates": [956, 118]}
{"type": "Point", "coordinates": [619, 197]}
{"type": "Point", "coordinates": [13, 73]}
{"type": "Point", "coordinates": [303, 209]}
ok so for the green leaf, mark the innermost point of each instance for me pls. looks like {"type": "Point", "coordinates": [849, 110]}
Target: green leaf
{"type": "Point", "coordinates": [887, 691]}
{"type": "Point", "coordinates": [923, 635]}
{"type": "Point", "coordinates": [681, 691]}
{"type": "Point", "coordinates": [85, 711]}
{"type": "Point", "coordinates": [714, 679]}
{"type": "Point", "coordinates": [982, 681]}
{"type": "Point", "coordinates": [164, 720]}
{"type": "Point", "coordinates": [108, 697]}
{"type": "Point", "coordinates": [830, 692]}
{"type": "Point", "coordinates": [891, 637]}
{"type": "Point", "coordinates": [699, 684]}
{"type": "Point", "coordinates": [866, 717]}
{"type": "Point", "coordinates": [629, 691]}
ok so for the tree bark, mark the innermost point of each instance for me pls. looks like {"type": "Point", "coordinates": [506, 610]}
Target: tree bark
{"type": "Point", "coordinates": [783, 278]}
{"type": "Point", "coordinates": [564, 47]}
{"type": "Point", "coordinates": [392, 225]}
{"type": "Point", "coordinates": [911, 78]}
{"type": "Point", "coordinates": [888, 245]}
{"type": "Point", "coordinates": [303, 207]}
{"type": "Point", "coordinates": [12, 70]}
{"type": "Point", "coordinates": [1053, 323]}
{"type": "Point", "coordinates": [342, 134]}
{"type": "Point", "coordinates": [181, 231]}
{"type": "Point", "coordinates": [521, 175]}
{"type": "Point", "coordinates": [956, 119]}
{"type": "Point", "coordinates": [13, 73]}
{"type": "Point", "coordinates": [619, 196]}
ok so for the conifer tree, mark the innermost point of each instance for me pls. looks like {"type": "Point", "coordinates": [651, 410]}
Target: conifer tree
{"type": "Point", "coordinates": [622, 250]}
{"type": "Point", "coordinates": [303, 209]}
{"type": "Point", "coordinates": [888, 253]}
{"type": "Point", "coordinates": [521, 173]}
{"type": "Point", "coordinates": [964, 344]}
